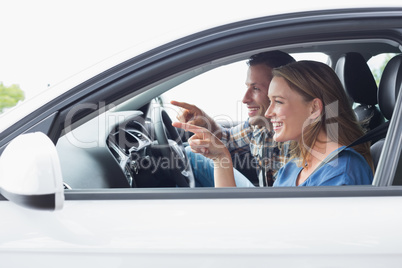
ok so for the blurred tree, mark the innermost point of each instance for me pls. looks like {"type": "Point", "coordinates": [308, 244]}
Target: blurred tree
{"type": "Point", "coordinates": [377, 72]}
{"type": "Point", "coordinates": [10, 96]}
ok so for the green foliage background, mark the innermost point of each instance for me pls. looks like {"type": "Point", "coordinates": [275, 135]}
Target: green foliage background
{"type": "Point", "coordinates": [10, 96]}
{"type": "Point", "coordinates": [378, 71]}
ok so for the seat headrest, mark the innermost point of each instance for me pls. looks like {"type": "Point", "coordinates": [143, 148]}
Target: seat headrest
{"type": "Point", "coordinates": [357, 79]}
{"type": "Point", "coordinates": [390, 84]}
{"type": "Point", "coordinates": [369, 116]}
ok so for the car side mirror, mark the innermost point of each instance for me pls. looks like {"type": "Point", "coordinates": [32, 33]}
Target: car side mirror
{"type": "Point", "coordinates": [30, 173]}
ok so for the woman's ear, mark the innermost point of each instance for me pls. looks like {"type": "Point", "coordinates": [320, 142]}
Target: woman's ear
{"type": "Point", "coordinates": [316, 108]}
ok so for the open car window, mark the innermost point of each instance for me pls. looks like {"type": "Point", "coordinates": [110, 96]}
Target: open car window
{"type": "Point", "coordinates": [219, 92]}
{"type": "Point", "coordinates": [119, 147]}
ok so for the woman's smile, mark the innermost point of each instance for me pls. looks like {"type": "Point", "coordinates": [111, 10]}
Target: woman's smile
{"type": "Point", "coordinates": [277, 125]}
{"type": "Point", "coordinates": [288, 111]}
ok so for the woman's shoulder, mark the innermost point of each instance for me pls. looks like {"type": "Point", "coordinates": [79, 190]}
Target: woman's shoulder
{"type": "Point", "coordinates": [350, 168]}
{"type": "Point", "coordinates": [352, 156]}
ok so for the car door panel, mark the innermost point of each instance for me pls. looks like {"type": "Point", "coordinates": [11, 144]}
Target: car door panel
{"type": "Point", "coordinates": [118, 233]}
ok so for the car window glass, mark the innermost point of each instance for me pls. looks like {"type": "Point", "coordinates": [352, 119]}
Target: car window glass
{"type": "Point", "coordinates": [316, 56]}
{"type": "Point", "coordinates": [377, 64]}
{"type": "Point", "coordinates": [398, 174]}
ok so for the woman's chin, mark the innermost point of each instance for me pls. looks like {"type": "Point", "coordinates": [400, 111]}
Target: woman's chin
{"type": "Point", "coordinates": [278, 138]}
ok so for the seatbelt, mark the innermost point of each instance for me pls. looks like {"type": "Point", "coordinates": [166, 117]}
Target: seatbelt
{"type": "Point", "coordinates": [376, 133]}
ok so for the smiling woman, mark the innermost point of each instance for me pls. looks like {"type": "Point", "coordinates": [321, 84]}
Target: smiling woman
{"type": "Point", "coordinates": [309, 106]}
{"type": "Point", "coordinates": [288, 111]}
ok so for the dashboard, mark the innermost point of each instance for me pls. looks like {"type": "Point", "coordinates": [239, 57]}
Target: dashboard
{"type": "Point", "coordinates": [118, 152]}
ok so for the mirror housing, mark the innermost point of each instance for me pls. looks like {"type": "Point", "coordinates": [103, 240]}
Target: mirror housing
{"type": "Point", "coordinates": [30, 173]}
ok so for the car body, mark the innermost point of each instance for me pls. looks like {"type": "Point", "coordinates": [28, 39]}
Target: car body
{"type": "Point", "coordinates": [116, 214]}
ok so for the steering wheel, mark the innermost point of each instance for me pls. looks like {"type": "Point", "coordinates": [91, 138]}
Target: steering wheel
{"type": "Point", "coordinates": [172, 149]}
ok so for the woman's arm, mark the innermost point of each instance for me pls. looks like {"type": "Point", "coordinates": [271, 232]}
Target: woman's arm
{"type": "Point", "coordinates": [205, 143]}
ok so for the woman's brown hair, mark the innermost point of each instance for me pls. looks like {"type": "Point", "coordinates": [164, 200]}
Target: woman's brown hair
{"type": "Point", "coordinates": [313, 80]}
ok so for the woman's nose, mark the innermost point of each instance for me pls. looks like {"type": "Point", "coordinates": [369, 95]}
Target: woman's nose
{"type": "Point", "coordinates": [268, 112]}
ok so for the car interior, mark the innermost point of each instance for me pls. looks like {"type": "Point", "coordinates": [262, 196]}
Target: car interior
{"type": "Point", "coordinates": [132, 143]}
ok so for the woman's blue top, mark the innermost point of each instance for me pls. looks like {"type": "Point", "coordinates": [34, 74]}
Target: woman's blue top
{"type": "Point", "coordinates": [348, 168]}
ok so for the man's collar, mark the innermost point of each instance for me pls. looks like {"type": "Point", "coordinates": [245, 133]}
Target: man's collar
{"type": "Point", "coordinates": [255, 127]}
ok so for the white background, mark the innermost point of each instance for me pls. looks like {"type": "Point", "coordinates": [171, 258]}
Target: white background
{"type": "Point", "coordinates": [44, 42]}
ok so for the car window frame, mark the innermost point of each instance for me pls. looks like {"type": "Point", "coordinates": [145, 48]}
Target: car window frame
{"type": "Point", "coordinates": [379, 188]}
{"type": "Point", "coordinates": [99, 88]}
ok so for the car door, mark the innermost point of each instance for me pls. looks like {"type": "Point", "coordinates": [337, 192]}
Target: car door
{"type": "Point", "coordinates": [181, 227]}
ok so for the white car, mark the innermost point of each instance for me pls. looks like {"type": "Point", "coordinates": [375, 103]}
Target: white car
{"type": "Point", "coordinates": [83, 184]}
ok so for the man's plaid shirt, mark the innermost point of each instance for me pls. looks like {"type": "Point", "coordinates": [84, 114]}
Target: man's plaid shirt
{"type": "Point", "coordinates": [259, 142]}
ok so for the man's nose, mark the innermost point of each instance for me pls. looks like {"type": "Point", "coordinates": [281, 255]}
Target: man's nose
{"type": "Point", "coordinates": [246, 97]}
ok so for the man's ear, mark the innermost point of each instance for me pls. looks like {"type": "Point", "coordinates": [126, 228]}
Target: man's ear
{"type": "Point", "coordinates": [316, 108]}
